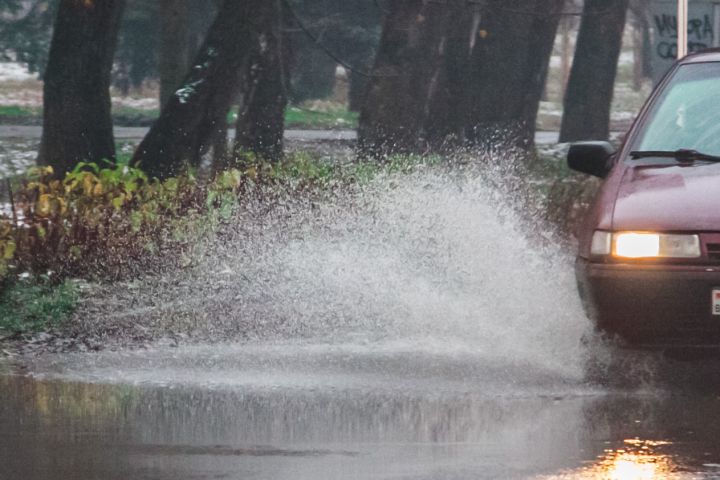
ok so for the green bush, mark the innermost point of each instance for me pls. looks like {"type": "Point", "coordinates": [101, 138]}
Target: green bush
{"type": "Point", "coordinates": [31, 306]}
{"type": "Point", "coordinates": [107, 223]}
{"type": "Point", "coordinates": [112, 223]}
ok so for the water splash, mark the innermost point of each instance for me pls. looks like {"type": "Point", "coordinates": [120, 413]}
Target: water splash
{"type": "Point", "coordinates": [436, 262]}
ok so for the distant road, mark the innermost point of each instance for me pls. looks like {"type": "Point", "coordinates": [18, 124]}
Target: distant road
{"type": "Point", "coordinates": [134, 133]}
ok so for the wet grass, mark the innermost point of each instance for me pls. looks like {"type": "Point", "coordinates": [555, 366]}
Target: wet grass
{"type": "Point", "coordinates": [29, 306]}
{"type": "Point", "coordinates": [16, 115]}
{"type": "Point", "coordinates": [301, 118]}
{"type": "Point", "coordinates": [122, 116]}
{"type": "Point", "coordinates": [295, 117]}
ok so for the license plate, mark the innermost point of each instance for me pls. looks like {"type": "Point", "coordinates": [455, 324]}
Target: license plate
{"type": "Point", "coordinates": [716, 301]}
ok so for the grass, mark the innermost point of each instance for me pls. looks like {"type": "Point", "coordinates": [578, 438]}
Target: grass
{"type": "Point", "coordinates": [320, 120]}
{"type": "Point", "coordinates": [29, 306]}
{"type": "Point", "coordinates": [13, 114]}
{"type": "Point", "coordinates": [134, 117]}
{"type": "Point", "coordinates": [295, 118]}
{"type": "Point", "coordinates": [122, 116]}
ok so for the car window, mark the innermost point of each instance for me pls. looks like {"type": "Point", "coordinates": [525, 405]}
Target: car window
{"type": "Point", "coordinates": [687, 113]}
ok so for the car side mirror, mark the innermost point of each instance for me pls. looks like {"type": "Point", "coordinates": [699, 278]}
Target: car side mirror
{"type": "Point", "coordinates": [592, 158]}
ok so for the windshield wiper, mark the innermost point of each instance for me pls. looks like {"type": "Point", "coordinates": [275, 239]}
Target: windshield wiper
{"type": "Point", "coordinates": [682, 155]}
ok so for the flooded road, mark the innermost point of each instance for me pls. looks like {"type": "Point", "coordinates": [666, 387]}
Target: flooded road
{"type": "Point", "coordinates": [415, 327]}
{"type": "Point", "coordinates": [292, 411]}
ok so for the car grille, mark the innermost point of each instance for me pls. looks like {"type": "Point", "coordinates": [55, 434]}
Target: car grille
{"type": "Point", "coordinates": [713, 251]}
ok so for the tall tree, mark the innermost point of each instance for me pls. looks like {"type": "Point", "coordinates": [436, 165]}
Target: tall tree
{"type": "Point", "coordinates": [405, 77]}
{"type": "Point", "coordinates": [175, 54]}
{"type": "Point", "coordinates": [348, 30]}
{"type": "Point", "coordinates": [137, 51]}
{"type": "Point", "coordinates": [77, 123]}
{"type": "Point", "coordinates": [195, 115]}
{"type": "Point", "coordinates": [449, 109]}
{"type": "Point", "coordinates": [261, 119]}
{"type": "Point", "coordinates": [509, 68]}
{"type": "Point", "coordinates": [313, 70]}
{"type": "Point", "coordinates": [454, 71]}
{"type": "Point", "coordinates": [589, 92]}
{"type": "Point", "coordinates": [26, 31]}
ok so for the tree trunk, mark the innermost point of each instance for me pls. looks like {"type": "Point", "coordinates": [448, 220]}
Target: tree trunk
{"type": "Point", "coordinates": [405, 78]}
{"type": "Point", "coordinates": [357, 90]}
{"type": "Point", "coordinates": [448, 112]}
{"type": "Point", "coordinates": [590, 90]}
{"type": "Point", "coordinates": [261, 119]}
{"type": "Point", "coordinates": [77, 121]}
{"type": "Point", "coordinates": [313, 75]}
{"type": "Point", "coordinates": [175, 49]}
{"type": "Point", "coordinates": [194, 116]}
{"type": "Point", "coordinates": [643, 43]}
{"type": "Point", "coordinates": [510, 66]}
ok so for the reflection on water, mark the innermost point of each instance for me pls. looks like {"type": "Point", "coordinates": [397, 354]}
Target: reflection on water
{"type": "Point", "coordinates": [79, 430]}
{"type": "Point", "coordinates": [636, 460]}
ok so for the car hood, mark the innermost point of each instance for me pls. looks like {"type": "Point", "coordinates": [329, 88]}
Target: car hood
{"type": "Point", "coordinates": [670, 198]}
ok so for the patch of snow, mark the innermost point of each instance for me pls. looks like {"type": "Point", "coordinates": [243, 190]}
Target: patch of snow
{"type": "Point", "coordinates": [627, 58]}
{"type": "Point", "coordinates": [22, 98]}
{"type": "Point", "coordinates": [139, 103]}
{"type": "Point", "coordinates": [15, 72]}
{"type": "Point", "coordinates": [620, 115]}
{"type": "Point", "coordinates": [550, 108]}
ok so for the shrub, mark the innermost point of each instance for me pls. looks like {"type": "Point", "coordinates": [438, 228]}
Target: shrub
{"type": "Point", "coordinates": [27, 307]}
{"type": "Point", "coordinates": [107, 222]}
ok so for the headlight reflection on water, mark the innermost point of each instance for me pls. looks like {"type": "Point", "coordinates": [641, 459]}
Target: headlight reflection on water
{"type": "Point", "coordinates": [638, 460]}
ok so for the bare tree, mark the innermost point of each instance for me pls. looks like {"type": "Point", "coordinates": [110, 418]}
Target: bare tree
{"type": "Point", "coordinates": [589, 93]}
{"type": "Point", "coordinates": [450, 72]}
{"type": "Point", "coordinates": [196, 115]}
{"type": "Point", "coordinates": [174, 46]}
{"type": "Point", "coordinates": [405, 77]}
{"type": "Point", "coordinates": [261, 120]}
{"type": "Point", "coordinates": [77, 121]}
{"type": "Point", "coordinates": [448, 110]}
{"type": "Point", "coordinates": [509, 68]}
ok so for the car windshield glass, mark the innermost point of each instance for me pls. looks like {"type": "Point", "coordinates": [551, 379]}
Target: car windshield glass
{"type": "Point", "coordinates": [687, 113]}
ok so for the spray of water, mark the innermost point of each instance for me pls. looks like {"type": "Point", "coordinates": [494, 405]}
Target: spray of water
{"type": "Point", "coordinates": [436, 261]}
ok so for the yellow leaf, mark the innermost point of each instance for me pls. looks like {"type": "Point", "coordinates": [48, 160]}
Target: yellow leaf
{"type": "Point", "coordinates": [118, 202]}
{"type": "Point", "coordinates": [62, 204]}
{"type": "Point", "coordinates": [88, 184]}
{"type": "Point", "coordinates": [9, 250]}
{"type": "Point", "coordinates": [44, 205]}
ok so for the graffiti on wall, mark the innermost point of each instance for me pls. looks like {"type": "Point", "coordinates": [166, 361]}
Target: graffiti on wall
{"type": "Point", "coordinates": [700, 34]}
{"type": "Point", "coordinates": [704, 19]}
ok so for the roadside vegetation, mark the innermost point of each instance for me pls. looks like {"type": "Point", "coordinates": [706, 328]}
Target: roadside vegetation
{"type": "Point", "coordinates": [112, 223]}
{"type": "Point", "coordinates": [31, 305]}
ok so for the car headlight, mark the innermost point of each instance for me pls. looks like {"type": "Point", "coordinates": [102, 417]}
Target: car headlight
{"type": "Point", "coordinates": [645, 245]}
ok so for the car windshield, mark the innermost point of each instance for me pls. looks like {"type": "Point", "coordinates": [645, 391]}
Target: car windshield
{"type": "Point", "coordinates": [686, 115]}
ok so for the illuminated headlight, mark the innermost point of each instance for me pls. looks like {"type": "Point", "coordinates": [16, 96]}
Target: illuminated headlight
{"type": "Point", "coordinates": [655, 245]}
{"type": "Point", "coordinates": [645, 245]}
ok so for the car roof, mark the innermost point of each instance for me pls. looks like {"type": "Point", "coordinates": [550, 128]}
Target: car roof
{"type": "Point", "coordinates": [709, 55]}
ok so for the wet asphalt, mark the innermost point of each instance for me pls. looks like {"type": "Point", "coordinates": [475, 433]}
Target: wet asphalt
{"type": "Point", "coordinates": [319, 414]}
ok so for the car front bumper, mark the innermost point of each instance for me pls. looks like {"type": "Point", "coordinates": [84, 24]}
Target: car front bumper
{"type": "Point", "coordinates": [669, 304]}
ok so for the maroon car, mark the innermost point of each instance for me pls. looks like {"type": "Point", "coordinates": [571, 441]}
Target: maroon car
{"type": "Point", "coordinates": [648, 267]}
